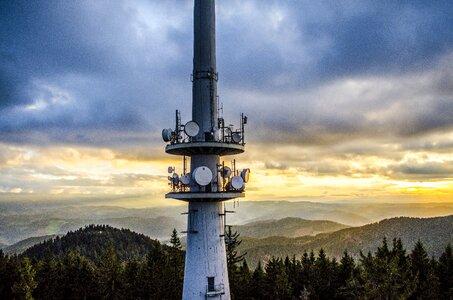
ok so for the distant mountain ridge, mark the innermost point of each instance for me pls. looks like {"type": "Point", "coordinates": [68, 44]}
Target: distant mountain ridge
{"type": "Point", "coordinates": [19, 227]}
{"type": "Point", "coordinates": [21, 220]}
{"type": "Point", "coordinates": [435, 233]}
{"type": "Point", "coordinates": [23, 245]}
{"type": "Point", "coordinates": [287, 227]}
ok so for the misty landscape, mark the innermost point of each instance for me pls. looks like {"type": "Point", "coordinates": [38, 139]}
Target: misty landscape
{"type": "Point", "coordinates": [267, 228]}
{"type": "Point", "coordinates": [306, 233]}
{"type": "Point", "coordinates": [243, 149]}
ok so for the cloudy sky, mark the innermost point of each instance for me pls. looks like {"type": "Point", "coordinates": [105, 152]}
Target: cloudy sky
{"type": "Point", "coordinates": [347, 100]}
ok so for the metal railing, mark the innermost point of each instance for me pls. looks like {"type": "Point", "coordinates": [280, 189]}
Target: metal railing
{"type": "Point", "coordinates": [215, 290]}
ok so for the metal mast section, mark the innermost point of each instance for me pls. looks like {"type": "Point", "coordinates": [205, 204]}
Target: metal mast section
{"type": "Point", "coordinates": [204, 140]}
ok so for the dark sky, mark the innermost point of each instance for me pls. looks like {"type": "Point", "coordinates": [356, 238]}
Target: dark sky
{"type": "Point", "coordinates": [346, 76]}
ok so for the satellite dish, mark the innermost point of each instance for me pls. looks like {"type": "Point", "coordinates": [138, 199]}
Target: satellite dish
{"type": "Point", "coordinates": [225, 172]}
{"type": "Point", "coordinates": [237, 182]}
{"type": "Point", "coordinates": [185, 179]}
{"type": "Point", "coordinates": [245, 174]}
{"type": "Point", "coordinates": [191, 128]}
{"type": "Point", "coordinates": [236, 137]}
{"type": "Point", "coordinates": [202, 175]}
{"type": "Point", "coordinates": [167, 134]}
{"type": "Point", "coordinates": [175, 179]}
{"type": "Point", "coordinates": [171, 170]}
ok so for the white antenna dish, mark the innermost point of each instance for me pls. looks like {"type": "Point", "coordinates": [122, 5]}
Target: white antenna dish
{"type": "Point", "coordinates": [171, 170]}
{"type": "Point", "coordinates": [202, 175]}
{"type": "Point", "coordinates": [236, 137]}
{"type": "Point", "coordinates": [225, 172]}
{"type": "Point", "coordinates": [167, 134]}
{"type": "Point", "coordinates": [237, 182]}
{"type": "Point", "coordinates": [245, 174]}
{"type": "Point", "coordinates": [175, 179]}
{"type": "Point", "coordinates": [185, 179]}
{"type": "Point", "coordinates": [191, 128]}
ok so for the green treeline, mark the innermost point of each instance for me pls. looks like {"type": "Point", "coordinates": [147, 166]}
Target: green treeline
{"type": "Point", "coordinates": [389, 273]}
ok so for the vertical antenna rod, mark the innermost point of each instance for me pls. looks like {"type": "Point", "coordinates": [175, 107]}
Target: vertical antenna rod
{"type": "Point", "coordinates": [204, 87]}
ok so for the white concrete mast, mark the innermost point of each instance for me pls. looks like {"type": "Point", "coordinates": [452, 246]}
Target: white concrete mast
{"type": "Point", "coordinates": [204, 140]}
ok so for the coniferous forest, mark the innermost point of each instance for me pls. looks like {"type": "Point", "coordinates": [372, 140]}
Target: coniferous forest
{"type": "Point", "coordinates": [125, 265]}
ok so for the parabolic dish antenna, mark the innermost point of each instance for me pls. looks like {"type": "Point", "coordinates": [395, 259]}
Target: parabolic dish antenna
{"type": "Point", "coordinates": [236, 137]}
{"type": "Point", "coordinates": [185, 179]}
{"type": "Point", "coordinates": [171, 170]}
{"type": "Point", "coordinates": [237, 182]}
{"type": "Point", "coordinates": [191, 128]}
{"type": "Point", "coordinates": [166, 134]}
{"type": "Point", "coordinates": [175, 179]}
{"type": "Point", "coordinates": [245, 174]}
{"type": "Point", "coordinates": [225, 172]}
{"type": "Point", "coordinates": [202, 175]}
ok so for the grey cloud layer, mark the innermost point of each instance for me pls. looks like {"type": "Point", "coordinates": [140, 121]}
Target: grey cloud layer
{"type": "Point", "coordinates": [111, 73]}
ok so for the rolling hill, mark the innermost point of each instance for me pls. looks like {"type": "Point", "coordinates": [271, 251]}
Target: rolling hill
{"type": "Point", "coordinates": [435, 233]}
{"type": "Point", "coordinates": [23, 219]}
{"type": "Point", "coordinates": [23, 245]}
{"type": "Point", "coordinates": [15, 228]}
{"type": "Point", "coordinates": [287, 227]}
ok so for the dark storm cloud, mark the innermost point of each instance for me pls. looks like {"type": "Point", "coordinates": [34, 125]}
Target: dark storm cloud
{"type": "Point", "coordinates": [423, 170]}
{"type": "Point", "coordinates": [100, 56]}
{"type": "Point", "coordinates": [105, 72]}
{"type": "Point", "coordinates": [334, 38]}
{"type": "Point", "coordinates": [388, 36]}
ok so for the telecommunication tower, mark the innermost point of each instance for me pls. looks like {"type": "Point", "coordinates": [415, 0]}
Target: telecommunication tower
{"type": "Point", "coordinates": [209, 181]}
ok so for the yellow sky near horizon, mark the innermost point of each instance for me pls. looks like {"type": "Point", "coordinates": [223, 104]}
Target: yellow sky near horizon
{"type": "Point", "coordinates": [138, 179]}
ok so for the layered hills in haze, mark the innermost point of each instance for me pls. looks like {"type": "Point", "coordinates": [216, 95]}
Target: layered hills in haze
{"type": "Point", "coordinates": [22, 220]}
{"type": "Point", "coordinates": [435, 233]}
{"type": "Point", "coordinates": [287, 227]}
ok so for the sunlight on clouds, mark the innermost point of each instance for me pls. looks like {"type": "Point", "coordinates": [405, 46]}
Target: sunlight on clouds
{"type": "Point", "coordinates": [89, 171]}
{"type": "Point", "coordinates": [286, 172]}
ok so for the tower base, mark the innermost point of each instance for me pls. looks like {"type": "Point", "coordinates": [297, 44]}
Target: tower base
{"type": "Point", "coordinates": [205, 272]}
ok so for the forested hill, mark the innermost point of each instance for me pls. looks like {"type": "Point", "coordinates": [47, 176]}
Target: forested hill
{"type": "Point", "coordinates": [288, 227]}
{"type": "Point", "coordinates": [91, 241]}
{"type": "Point", "coordinates": [435, 233]}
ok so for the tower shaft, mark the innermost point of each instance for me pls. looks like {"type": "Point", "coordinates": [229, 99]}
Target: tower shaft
{"type": "Point", "coordinates": [205, 139]}
{"type": "Point", "coordinates": [205, 269]}
{"type": "Point", "coordinates": [204, 88]}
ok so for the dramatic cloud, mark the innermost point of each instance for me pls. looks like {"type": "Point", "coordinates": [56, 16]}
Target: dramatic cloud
{"type": "Point", "coordinates": [347, 90]}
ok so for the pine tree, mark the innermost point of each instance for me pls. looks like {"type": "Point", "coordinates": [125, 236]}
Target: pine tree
{"type": "Point", "coordinates": [9, 274]}
{"type": "Point", "coordinates": [381, 274]}
{"type": "Point", "coordinates": [47, 276]}
{"type": "Point", "coordinates": [294, 271]}
{"type": "Point", "coordinates": [346, 269]}
{"type": "Point", "coordinates": [177, 266]}
{"type": "Point", "coordinates": [258, 283]}
{"type": "Point", "coordinates": [109, 274]}
{"type": "Point", "coordinates": [242, 282]}
{"type": "Point", "coordinates": [277, 283]}
{"type": "Point", "coordinates": [423, 274]}
{"type": "Point", "coordinates": [77, 280]}
{"type": "Point", "coordinates": [23, 289]}
{"type": "Point", "coordinates": [324, 284]}
{"type": "Point", "coordinates": [133, 281]}
{"type": "Point", "coordinates": [175, 240]}
{"type": "Point", "coordinates": [232, 242]}
{"type": "Point", "coordinates": [156, 274]}
{"type": "Point", "coordinates": [445, 273]}
{"type": "Point", "coordinates": [307, 271]}
{"type": "Point", "coordinates": [349, 286]}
